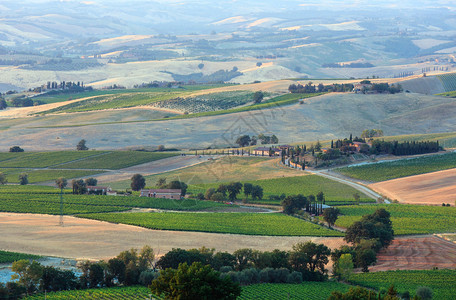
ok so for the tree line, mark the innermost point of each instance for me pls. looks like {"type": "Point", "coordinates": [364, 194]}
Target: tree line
{"type": "Point", "coordinates": [247, 140]}
{"type": "Point", "coordinates": [311, 88]}
{"type": "Point", "coordinates": [404, 148]}
{"type": "Point", "coordinates": [231, 191]}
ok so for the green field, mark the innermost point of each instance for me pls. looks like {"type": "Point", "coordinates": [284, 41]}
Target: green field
{"type": "Point", "coordinates": [442, 282]}
{"type": "Point", "coordinates": [44, 200]}
{"type": "Point", "coordinates": [9, 257]}
{"type": "Point", "coordinates": [271, 224]}
{"type": "Point", "coordinates": [116, 160]}
{"type": "Point", "coordinates": [335, 192]}
{"type": "Point", "coordinates": [114, 293]}
{"type": "Point", "coordinates": [266, 291]}
{"type": "Point", "coordinates": [278, 291]}
{"type": "Point", "coordinates": [406, 219]}
{"type": "Point", "coordinates": [400, 168]}
{"type": "Point", "coordinates": [42, 159]}
{"type": "Point", "coordinates": [35, 176]}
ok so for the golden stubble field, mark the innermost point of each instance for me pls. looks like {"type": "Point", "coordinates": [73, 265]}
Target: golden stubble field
{"type": "Point", "coordinates": [431, 188]}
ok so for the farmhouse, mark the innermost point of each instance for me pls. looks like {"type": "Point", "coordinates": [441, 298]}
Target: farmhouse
{"type": "Point", "coordinates": [162, 193]}
{"type": "Point", "coordinates": [100, 190]}
{"type": "Point", "coordinates": [264, 151]}
{"type": "Point", "coordinates": [358, 146]}
{"type": "Point", "coordinates": [360, 87]}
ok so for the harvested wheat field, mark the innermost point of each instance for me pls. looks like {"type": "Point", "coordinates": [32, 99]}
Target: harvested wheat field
{"type": "Point", "coordinates": [89, 239]}
{"type": "Point", "coordinates": [417, 253]}
{"type": "Point", "coordinates": [431, 188]}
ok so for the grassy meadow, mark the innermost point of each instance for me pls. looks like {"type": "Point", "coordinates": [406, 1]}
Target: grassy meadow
{"type": "Point", "coordinates": [405, 167]}
{"type": "Point", "coordinates": [406, 219]}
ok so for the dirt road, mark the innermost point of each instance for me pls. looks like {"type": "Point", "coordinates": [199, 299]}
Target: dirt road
{"type": "Point", "coordinates": [90, 239]}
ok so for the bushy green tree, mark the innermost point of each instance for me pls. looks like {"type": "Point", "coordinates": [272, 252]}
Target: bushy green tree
{"type": "Point", "coordinates": [138, 182]}
{"type": "Point", "coordinates": [194, 282]}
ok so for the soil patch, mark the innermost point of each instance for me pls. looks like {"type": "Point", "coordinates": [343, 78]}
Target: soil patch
{"type": "Point", "coordinates": [431, 188]}
{"type": "Point", "coordinates": [417, 253]}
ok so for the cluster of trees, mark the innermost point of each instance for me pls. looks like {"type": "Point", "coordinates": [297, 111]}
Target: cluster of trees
{"type": "Point", "coordinates": [421, 293]}
{"type": "Point", "coordinates": [231, 191]}
{"type": "Point", "coordinates": [79, 186]}
{"type": "Point", "coordinates": [311, 88]}
{"type": "Point", "coordinates": [246, 140]}
{"type": "Point", "coordinates": [308, 258]}
{"type": "Point", "coordinates": [81, 146]}
{"type": "Point", "coordinates": [175, 184]}
{"type": "Point", "coordinates": [22, 101]}
{"type": "Point", "coordinates": [293, 203]}
{"type": "Point", "coordinates": [187, 274]}
{"type": "Point", "coordinates": [128, 268]}
{"type": "Point", "coordinates": [380, 87]}
{"type": "Point", "coordinates": [258, 97]}
{"type": "Point", "coordinates": [16, 149]}
{"type": "Point", "coordinates": [367, 134]}
{"type": "Point", "coordinates": [404, 148]}
{"type": "Point", "coordinates": [367, 236]}
{"type": "Point", "coordinates": [3, 104]}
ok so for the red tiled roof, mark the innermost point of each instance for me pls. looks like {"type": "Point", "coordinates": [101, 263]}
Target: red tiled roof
{"type": "Point", "coordinates": [164, 191]}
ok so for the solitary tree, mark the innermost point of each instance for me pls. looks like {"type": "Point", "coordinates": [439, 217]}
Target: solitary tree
{"type": "Point", "coordinates": [138, 182]}
{"type": "Point", "coordinates": [257, 192]}
{"type": "Point", "coordinates": [16, 149]}
{"type": "Point", "coordinates": [330, 215]}
{"type": "Point", "coordinates": [258, 97]}
{"type": "Point", "coordinates": [247, 189]}
{"type": "Point", "coordinates": [234, 188]}
{"type": "Point", "coordinates": [82, 145]}
{"type": "Point", "coordinates": [23, 179]}
{"type": "Point", "coordinates": [61, 183]}
{"type": "Point", "coordinates": [3, 179]}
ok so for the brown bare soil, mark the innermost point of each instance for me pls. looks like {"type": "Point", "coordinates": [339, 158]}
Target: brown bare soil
{"type": "Point", "coordinates": [417, 253]}
{"type": "Point", "coordinates": [94, 240]}
{"type": "Point", "coordinates": [432, 188]}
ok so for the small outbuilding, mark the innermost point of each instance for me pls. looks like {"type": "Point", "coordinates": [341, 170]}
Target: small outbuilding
{"type": "Point", "coordinates": [162, 193]}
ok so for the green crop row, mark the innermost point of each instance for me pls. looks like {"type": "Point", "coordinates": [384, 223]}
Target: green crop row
{"type": "Point", "coordinates": [448, 81]}
{"type": "Point", "coordinates": [406, 219]}
{"type": "Point", "coordinates": [285, 291]}
{"type": "Point", "coordinates": [47, 201]}
{"type": "Point", "coordinates": [114, 293]}
{"type": "Point", "coordinates": [34, 176]}
{"type": "Point", "coordinates": [441, 282]}
{"type": "Point", "coordinates": [271, 224]}
{"type": "Point", "coordinates": [400, 168]}
{"type": "Point", "coordinates": [8, 257]}
{"type": "Point", "coordinates": [116, 160]}
{"type": "Point", "coordinates": [42, 159]}
{"type": "Point", "coordinates": [266, 291]}
{"type": "Point", "coordinates": [310, 184]}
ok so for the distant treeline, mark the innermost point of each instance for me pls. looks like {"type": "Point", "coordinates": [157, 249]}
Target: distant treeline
{"type": "Point", "coordinates": [310, 88]}
{"type": "Point", "coordinates": [404, 148]}
{"type": "Point", "coordinates": [220, 76]}
{"type": "Point", "coordinates": [350, 65]}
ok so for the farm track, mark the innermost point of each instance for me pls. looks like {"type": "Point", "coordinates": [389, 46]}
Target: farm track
{"type": "Point", "coordinates": [345, 180]}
